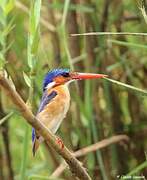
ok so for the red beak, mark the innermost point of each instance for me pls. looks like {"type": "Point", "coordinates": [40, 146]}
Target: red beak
{"type": "Point", "coordinates": [80, 76]}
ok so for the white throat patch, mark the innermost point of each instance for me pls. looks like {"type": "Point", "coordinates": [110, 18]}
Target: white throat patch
{"type": "Point", "coordinates": [50, 85]}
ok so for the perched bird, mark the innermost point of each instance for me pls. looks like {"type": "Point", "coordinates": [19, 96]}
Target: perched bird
{"type": "Point", "coordinates": [56, 99]}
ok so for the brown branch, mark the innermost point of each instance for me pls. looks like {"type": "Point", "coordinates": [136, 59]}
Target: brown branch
{"type": "Point", "coordinates": [101, 144]}
{"type": "Point", "coordinates": [75, 166]}
{"type": "Point", "coordinates": [91, 148]}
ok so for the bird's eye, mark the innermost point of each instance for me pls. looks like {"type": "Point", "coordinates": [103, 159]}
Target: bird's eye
{"type": "Point", "coordinates": [66, 74]}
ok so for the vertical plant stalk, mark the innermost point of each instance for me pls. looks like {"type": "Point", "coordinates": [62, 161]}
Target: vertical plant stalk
{"type": "Point", "coordinates": [55, 42]}
{"type": "Point", "coordinates": [6, 140]}
{"type": "Point", "coordinates": [74, 49]}
{"type": "Point", "coordinates": [118, 125]}
{"type": "Point", "coordinates": [43, 22]}
{"type": "Point", "coordinates": [25, 153]}
{"type": "Point", "coordinates": [105, 15]}
{"type": "Point", "coordinates": [103, 27]}
{"type": "Point", "coordinates": [33, 42]}
{"type": "Point", "coordinates": [5, 24]}
{"type": "Point", "coordinates": [1, 164]}
{"type": "Point", "coordinates": [55, 38]}
{"type": "Point", "coordinates": [90, 44]}
{"type": "Point", "coordinates": [63, 30]}
{"type": "Point", "coordinates": [72, 28]}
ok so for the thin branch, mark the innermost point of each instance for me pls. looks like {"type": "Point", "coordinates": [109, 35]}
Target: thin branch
{"type": "Point", "coordinates": [6, 118]}
{"type": "Point", "coordinates": [128, 86]}
{"type": "Point", "coordinates": [91, 148]}
{"type": "Point", "coordinates": [75, 166]}
{"type": "Point", "coordinates": [59, 170]}
{"type": "Point", "coordinates": [110, 33]}
{"type": "Point", "coordinates": [101, 144]}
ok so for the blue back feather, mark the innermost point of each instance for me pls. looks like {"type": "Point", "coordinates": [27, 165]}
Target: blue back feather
{"type": "Point", "coordinates": [33, 134]}
{"type": "Point", "coordinates": [46, 98]}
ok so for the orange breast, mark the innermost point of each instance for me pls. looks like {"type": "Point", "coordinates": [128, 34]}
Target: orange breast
{"type": "Point", "coordinates": [56, 110]}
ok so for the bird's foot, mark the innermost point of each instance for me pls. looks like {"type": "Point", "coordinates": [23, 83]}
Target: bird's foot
{"type": "Point", "coordinates": [59, 142]}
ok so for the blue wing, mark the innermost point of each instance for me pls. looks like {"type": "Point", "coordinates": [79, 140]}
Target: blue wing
{"type": "Point", "coordinates": [46, 98]}
{"type": "Point", "coordinates": [33, 134]}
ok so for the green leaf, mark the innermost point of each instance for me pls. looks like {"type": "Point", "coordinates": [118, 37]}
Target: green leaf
{"type": "Point", "coordinates": [32, 22]}
{"type": "Point", "coordinates": [2, 4]}
{"type": "Point", "coordinates": [65, 11]}
{"type": "Point", "coordinates": [138, 169]}
{"type": "Point", "coordinates": [34, 177]}
{"type": "Point", "coordinates": [35, 43]}
{"type": "Point", "coordinates": [6, 117]}
{"type": "Point", "coordinates": [8, 46]}
{"type": "Point", "coordinates": [9, 6]}
{"type": "Point", "coordinates": [29, 55]}
{"type": "Point", "coordinates": [2, 61]}
{"type": "Point", "coordinates": [84, 120]}
{"type": "Point", "coordinates": [24, 160]}
{"type": "Point", "coordinates": [35, 16]}
{"type": "Point", "coordinates": [75, 7]}
{"type": "Point", "coordinates": [37, 8]}
{"type": "Point", "coordinates": [34, 36]}
{"type": "Point", "coordinates": [27, 79]}
{"type": "Point", "coordinates": [128, 44]}
{"type": "Point", "coordinates": [9, 27]}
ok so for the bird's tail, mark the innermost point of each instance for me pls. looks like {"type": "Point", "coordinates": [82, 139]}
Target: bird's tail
{"type": "Point", "coordinates": [35, 146]}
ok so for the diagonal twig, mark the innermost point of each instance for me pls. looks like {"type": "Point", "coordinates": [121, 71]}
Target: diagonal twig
{"type": "Point", "coordinates": [110, 33]}
{"type": "Point", "coordinates": [91, 148]}
{"type": "Point", "coordinates": [6, 118]}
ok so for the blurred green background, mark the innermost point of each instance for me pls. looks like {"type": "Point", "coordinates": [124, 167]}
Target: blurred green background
{"type": "Point", "coordinates": [35, 37]}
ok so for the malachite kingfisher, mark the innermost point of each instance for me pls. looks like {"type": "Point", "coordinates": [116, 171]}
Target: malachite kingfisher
{"type": "Point", "coordinates": [56, 100]}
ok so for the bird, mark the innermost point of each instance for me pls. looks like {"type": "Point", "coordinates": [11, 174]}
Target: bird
{"type": "Point", "coordinates": [55, 100]}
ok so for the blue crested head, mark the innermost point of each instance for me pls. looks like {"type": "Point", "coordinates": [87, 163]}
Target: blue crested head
{"type": "Point", "coordinates": [53, 74]}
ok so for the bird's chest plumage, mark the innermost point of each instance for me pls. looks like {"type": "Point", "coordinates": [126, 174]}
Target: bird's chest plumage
{"type": "Point", "coordinates": [55, 111]}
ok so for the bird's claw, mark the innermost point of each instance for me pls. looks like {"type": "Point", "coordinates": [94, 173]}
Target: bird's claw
{"type": "Point", "coordinates": [60, 142]}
